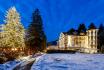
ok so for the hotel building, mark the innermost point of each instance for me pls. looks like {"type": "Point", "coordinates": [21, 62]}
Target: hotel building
{"type": "Point", "coordinates": [86, 42]}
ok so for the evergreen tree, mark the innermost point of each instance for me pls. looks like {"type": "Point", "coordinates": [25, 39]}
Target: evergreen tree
{"type": "Point", "coordinates": [1, 36]}
{"type": "Point", "coordinates": [101, 28]}
{"type": "Point", "coordinates": [101, 37]}
{"type": "Point", "coordinates": [13, 29]}
{"type": "Point", "coordinates": [92, 26]}
{"type": "Point", "coordinates": [36, 38]}
{"type": "Point", "coordinates": [71, 31]}
{"type": "Point", "coordinates": [101, 42]}
{"type": "Point", "coordinates": [82, 28]}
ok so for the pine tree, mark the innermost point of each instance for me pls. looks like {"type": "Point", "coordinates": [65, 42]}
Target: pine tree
{"type": "Point", "coordinates": [101, 37]}
{"type": "Point", "coordinates": [36, 38]}
{"type": "Point", "coordinates": [82, 28]}
{"type": "Point", "coordinates": [101, 28]}
{"type": "Point", "coordinates": [13, 29]}
{"type": "Point", "coordinates": [92, 26]}
{"type": "Point", "coordinates": [71, 31]}
{"type": "Point", "coordinates": [1, 36]}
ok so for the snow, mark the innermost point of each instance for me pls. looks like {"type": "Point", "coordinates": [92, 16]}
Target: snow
{"type": "Point", "coordinates": [76, 61]}
{"type": "Point", "coordinates": [22, 61]}
{"type": "Point", "coordinates": [37, 59]}
{"type": "Point", "coordinates": [10, 65]}
{"type": "Point", "coordinates": [59, 61]}
{"type": "Point", "coordinates": [27, 62]}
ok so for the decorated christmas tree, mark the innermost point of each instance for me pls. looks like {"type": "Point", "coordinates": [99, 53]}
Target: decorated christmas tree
{"type": "Point", "coordinates": [1, 36]}
{"type": "Point", "coordinates": [13, 29]}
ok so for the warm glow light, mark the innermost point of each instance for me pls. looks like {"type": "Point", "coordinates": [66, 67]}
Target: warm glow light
{"type": "Point", "coordinates": [12, 49]}
{"type": "Point", "coordinates": [15, 49]}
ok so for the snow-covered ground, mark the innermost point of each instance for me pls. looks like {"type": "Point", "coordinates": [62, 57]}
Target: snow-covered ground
{"type": "Point", "coordinates": [10, 65]}
{"type": "Point", "coordinates": [76, 61]}
{"type": "Point", "coordinates": [22, 61]}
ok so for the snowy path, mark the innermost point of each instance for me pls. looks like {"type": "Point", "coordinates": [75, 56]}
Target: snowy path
{"type": "Point", "coordinates": [70, 62]}
{"type": "Point", "coordinates": [37, 60]}
{"type": "Point", "coordinates": [21, 63]}
{"type": "Point", "coordinates": [25, 65]}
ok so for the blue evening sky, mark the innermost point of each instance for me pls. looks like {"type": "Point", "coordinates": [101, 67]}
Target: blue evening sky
{"type": "Point", "coordinates": [58, 15]}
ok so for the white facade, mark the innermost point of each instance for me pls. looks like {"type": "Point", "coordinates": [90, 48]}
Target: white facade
{"type": "Point", "coordinates": [92, 40]}
{"type": "Point", "coordinates": [87, 42]}
{"type": "Point", "coordinates": [70, 41]}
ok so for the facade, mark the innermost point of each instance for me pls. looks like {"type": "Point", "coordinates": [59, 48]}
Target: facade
{"type": "Point", "coordinates": [86, 42]}
{"type": "Point", "coordinates": [92, 40]}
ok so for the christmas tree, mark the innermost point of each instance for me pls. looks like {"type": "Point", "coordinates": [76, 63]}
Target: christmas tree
{"type": "Point", "coordinates": [1, 36]}
{"type": "Point", "coordinates": [13, 29]}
